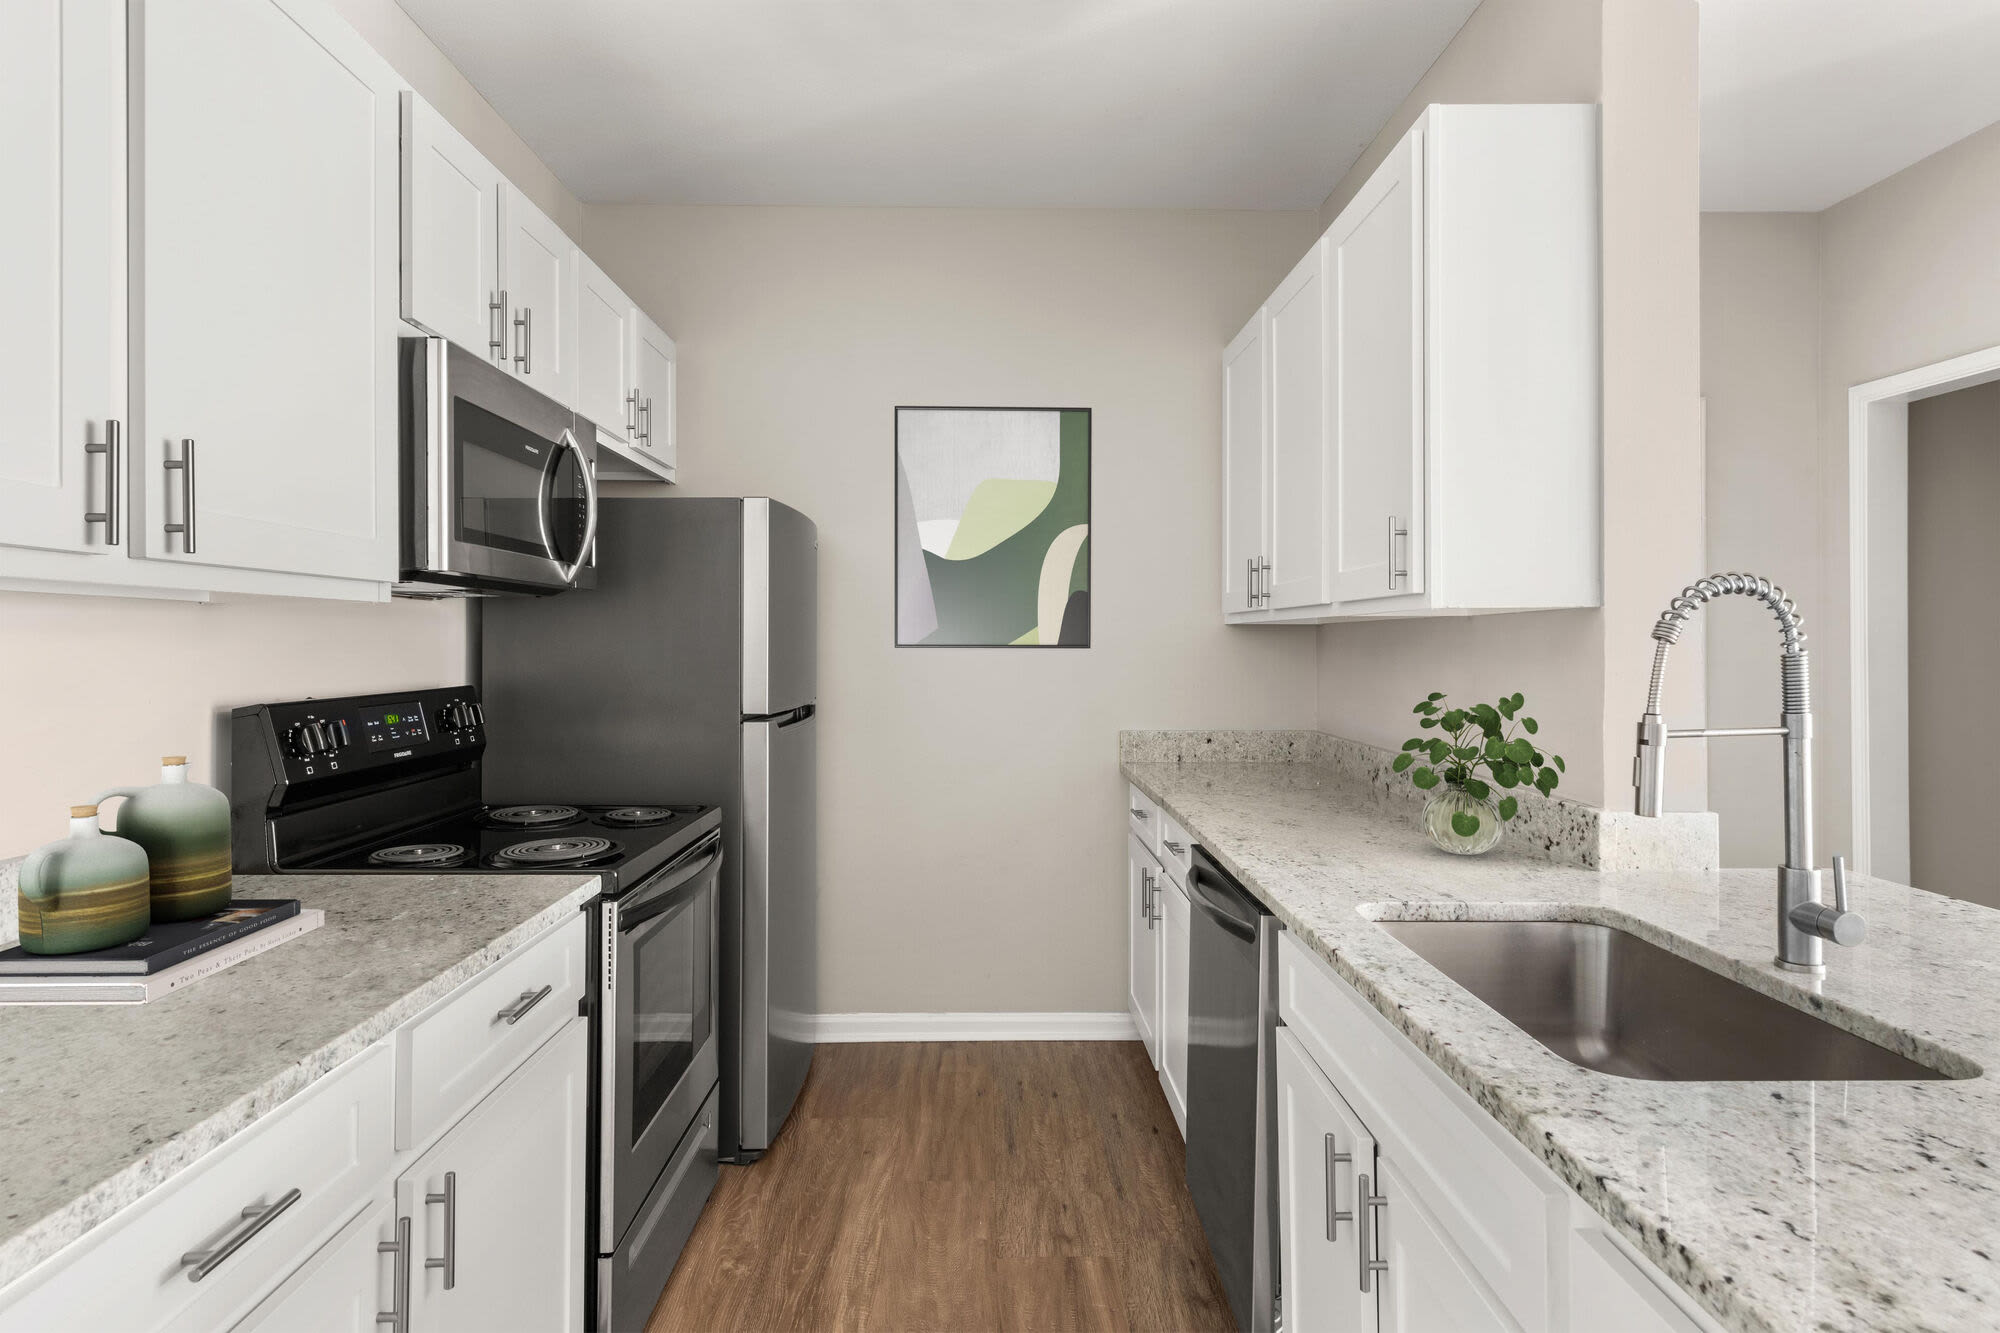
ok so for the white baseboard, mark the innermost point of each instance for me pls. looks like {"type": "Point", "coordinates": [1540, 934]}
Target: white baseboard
{"type": "Point", "coordinates": [1116, 1026]}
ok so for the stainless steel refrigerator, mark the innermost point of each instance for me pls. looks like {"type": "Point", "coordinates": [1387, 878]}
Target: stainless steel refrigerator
{"type": "Point", "coordinates": [689, 675]}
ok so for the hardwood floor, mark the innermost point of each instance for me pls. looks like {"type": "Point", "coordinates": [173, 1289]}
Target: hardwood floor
{"type": "Point", "coordinates": [958, 1186]}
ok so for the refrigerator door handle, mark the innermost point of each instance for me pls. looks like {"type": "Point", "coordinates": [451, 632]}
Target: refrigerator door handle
{"type": "Point", "coordinates": [804, 713]}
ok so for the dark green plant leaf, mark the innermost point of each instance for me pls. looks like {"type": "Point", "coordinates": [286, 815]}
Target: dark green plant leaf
{"type": "Point", "coordinates": [1478, 788]}
{"type": "Point", "coordinates": [1428, 722]}
{"type": "Point", "coordinates": [1520, 700]}
{"type": "Point", "coordinates": [1506, 774]}
{"type": "Point", "coordinates": [1435, 695]}
{"type": "Point", "coordinates": [1509, 806]}
{"type": "Point", "coordinates": [1464, 823]}
{"type": "Point", "coordinates": [1454, 719]}
{"type": "Point", "coordinates": [1558, 761]}
{"type": "Point", "coordinates": [1520, 751]}
{"type": "Point", "coordinates": [1425, 779]}
{"type": "Point", "coordinates": [1414, 742]}
{"type": "Point", "coordinates": [1507, 709]}
{"type": "Point", "coordinates": [1529, 725]}
{"type": "Point", "coordinates": [1545, 781]}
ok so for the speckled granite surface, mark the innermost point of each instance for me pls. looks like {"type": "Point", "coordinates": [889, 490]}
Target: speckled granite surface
{"type": "Point", "coordinates": [1790, 1207]}
{"type": "Point", "coordinates": [103, 1103]}
{"type": "Point", "coordinates": [1560, 830]}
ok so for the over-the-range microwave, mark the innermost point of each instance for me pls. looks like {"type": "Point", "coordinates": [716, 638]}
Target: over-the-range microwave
{"type": "Point", "coordinates": [499, 482]}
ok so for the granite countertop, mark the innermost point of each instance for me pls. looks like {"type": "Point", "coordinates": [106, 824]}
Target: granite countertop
{"type": "Point", "coordinates": [1779, 1206]}
{"type": "Point", "coordinates": [101, 1103]}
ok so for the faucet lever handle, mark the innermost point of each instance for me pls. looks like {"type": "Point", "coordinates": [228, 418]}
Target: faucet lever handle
{"type": "Point", "coordinates": [1840, 883]}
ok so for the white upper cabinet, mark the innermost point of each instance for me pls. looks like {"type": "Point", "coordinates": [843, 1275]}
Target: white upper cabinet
{"type": "Point", "coordinates": [451, 233]}
{"type": "Point", "coordinates": [1459, 458]}
{"type": "Point", "coordinates": [607, 340]}
{"type": "Point", "coordinates": [538, 273]}
{"type": "Point", "coordinates": [1245, 462]}
{"type": "Point", "coordinates": [265, 432]}
{"type": "Point", "coordinates": [1375, 249]}
{"type": "Point", "coordinates": [62, 281]}
{"type": "Point", "coordinates": [1296, 325]}
{"type": "Point", "coordinates": [656, 375]}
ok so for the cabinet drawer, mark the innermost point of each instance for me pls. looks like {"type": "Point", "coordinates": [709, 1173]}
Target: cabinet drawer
{"type": "Point", "coordinates": [462, 1047]}
{"type": "Point", "coordinates": [325, 1151]}
{"type": "Point", "coordinates": [1176, 848]}
{"type": "Point", "coordinates": [1503, 1218]}
{"type": "Point", "coordinates": [1143, 817]}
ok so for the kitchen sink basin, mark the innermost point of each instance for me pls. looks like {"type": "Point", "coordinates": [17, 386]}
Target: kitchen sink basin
{"type": "Point", "coordinates": [1607, 1000]}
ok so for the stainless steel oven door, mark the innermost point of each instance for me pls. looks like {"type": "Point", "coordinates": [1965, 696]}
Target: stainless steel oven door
{"type": "Point", "coordinates": [657, 995]}
{"type": "Point", "coordinates": [500, 486]}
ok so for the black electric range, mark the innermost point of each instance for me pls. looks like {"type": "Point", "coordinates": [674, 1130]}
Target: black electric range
{"type": "Point", "coordinates": [389, 784]}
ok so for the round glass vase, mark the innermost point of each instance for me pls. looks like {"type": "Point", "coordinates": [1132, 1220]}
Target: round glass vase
{"type": "Point", "coordinates": [1461, 823]}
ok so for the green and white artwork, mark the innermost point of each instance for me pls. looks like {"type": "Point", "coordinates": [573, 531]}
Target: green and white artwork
{"type": "Point", "coordinates": [993, 527]}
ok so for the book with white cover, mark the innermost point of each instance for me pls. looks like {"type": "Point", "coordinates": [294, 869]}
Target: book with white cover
{"type": "Point", "coordinates": [139, 989]}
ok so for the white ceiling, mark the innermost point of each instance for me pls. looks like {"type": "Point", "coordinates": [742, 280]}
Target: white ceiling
{"type": "Point", "coordinates": [1000, 103]}
{"type": "Point", "coordinates": [1805, 102]}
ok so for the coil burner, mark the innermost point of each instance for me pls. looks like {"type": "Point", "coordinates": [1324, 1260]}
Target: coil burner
{"type": "Point", "coordinates": [533, 816]}
{"type": "Point", "coordinates": [556, 852]}
{"type": "Point", "coordinates": [419, 854]}
{"type": "Point", "coordinates": [635, 816]}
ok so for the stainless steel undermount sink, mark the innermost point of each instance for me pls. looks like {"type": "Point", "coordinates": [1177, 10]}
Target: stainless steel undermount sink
{"type": "Point", "coordinates": [1607, 1000]}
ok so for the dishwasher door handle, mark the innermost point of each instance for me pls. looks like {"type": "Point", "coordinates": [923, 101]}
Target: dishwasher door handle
{"type": "Point", "coordinates": [1217, 906]}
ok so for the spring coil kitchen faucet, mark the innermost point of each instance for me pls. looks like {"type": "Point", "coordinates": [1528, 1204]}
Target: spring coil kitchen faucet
{"type": "Point", "coordinates": [1804, 918]}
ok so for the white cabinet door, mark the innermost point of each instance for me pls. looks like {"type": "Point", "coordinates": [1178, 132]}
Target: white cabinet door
{"type": "Point", "coordinates": [62, 271]}
{"type": "Point", "coordinates": [1295, 329]}
{"type": "Point", "coordinates": [656, 369]}
{"type": "Point", "coordinates": [451, 233]}
{"type": "Point", "coordinates": [1323, 1151]}
{"type": "Point", "coordinates": [607, 340]}
{"type": "Point", "coordinates": [1143, 875]}
{"type": "Point", "coordinates": [538, 271]}
{"type": "Point", "coordinates": [267, 187]}
{"type": "Point", "coordinates": [1428, 1286]}
{"type": "Point", "coordinates": [499, 1203]}
{"type": "Point", "coordinates": [343, 1288]}
{"type": "Point", "coordinates": [1375, 271]}
{"type": "Point", "coordinates": [1175, 926]}
{"type": "Point", "coordinates": [1245, 463]}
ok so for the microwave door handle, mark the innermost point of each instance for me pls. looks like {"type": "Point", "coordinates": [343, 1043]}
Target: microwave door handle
{"type": "Point", "coordinates": [570, 571]}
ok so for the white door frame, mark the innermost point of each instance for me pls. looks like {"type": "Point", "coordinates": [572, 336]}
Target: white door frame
{"type": "Point", "coordinates": [1878, 578]}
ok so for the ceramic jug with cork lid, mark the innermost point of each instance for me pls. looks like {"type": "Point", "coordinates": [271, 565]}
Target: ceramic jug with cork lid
{"type": "Point", "coordinates": [85, 892]}
{"type": "Point", "coordinates": [184, 827]}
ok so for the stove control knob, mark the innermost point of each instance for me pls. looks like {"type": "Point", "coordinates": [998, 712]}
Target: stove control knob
{"type": "Point", "coordinates": [478, 714]}
{"type": "Point", "coordinates": [302, 741]}
{"type": "Point", "coordinates": [452, 717]}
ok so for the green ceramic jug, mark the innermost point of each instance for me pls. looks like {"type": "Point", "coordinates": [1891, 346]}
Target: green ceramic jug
{"type": "Point", "coordinates": [184, 827]}
{"type": "Point", "coordinates": [86, 892]}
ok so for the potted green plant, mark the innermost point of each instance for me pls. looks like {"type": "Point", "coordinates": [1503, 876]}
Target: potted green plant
{"type": "Point", "coordinates": [1462, 816]}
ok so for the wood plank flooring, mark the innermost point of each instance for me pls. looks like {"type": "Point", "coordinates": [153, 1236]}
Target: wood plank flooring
{"type": "Point", "coordinates": [958, 1186]}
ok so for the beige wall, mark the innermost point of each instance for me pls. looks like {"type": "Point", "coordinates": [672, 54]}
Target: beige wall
{"type": "Point", "coordinates": [1902, 275]}
{"type": "Point", "coordinates": [102, 687]}
{"type": "Point", "coordinates": [1954, 639]}
{"type": "Point", "coordinates": [1760, 375]}
{"type": "Point", "coordinates": [1584, 672]}
{"type": "Point", "coordinates": [966, 796]}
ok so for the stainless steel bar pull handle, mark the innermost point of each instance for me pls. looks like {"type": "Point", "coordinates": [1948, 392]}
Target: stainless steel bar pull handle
{"type": "Point", "coordinates": [496, 333]}
{"type": "Point", "coordinates": [1367, 1202]}
{"type": "Point", "coordinates": [108, 515]}
{"type": "Point", "coordinates": [200, 1263]}
{"type": "Point", "coordinates": [1396, 572]}
{"type": "Point", "coordinates": [632, 415]}
{"type": "Point", "coordinates": [524, 341]}
{"type": "Point", "coordinates": [1264, 581]}
{"type": "Point", "coordinates": [1138, 814]}
{"type": "Point", "coordinates": [449, 1198]}
{"type": "Point", "coordinates": [397, 1316]}
{"type": "Point", "coordinates": [518, 1010]}
{"type": "Point", "coordinates": [1172, 846]}
{"type": "Point", "coordinates": [185, 466]}
{"type": "Point", "coordinates": [1334, 1215]}
{"type": "Point", "coordinates": [646, 422]}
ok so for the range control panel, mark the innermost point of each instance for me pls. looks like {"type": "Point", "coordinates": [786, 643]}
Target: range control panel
{"type": "Point", "coordinates": [366, 734]}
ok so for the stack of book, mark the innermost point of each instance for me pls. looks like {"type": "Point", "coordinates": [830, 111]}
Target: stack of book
{"type": "Point", "coordinates": [171, 955]}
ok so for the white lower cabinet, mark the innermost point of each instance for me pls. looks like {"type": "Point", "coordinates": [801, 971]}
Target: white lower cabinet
{"type": "Point", "coordinates": [1405, 1208]}
{"type": "Point", "coordinates": [1176, 921]}
{"type": "Point", "coordinates": [1143, 876]}
{"type": "Point", "coordinates": [497, 1206]}
{"type": "Point", "coordinates": [297, 1222]}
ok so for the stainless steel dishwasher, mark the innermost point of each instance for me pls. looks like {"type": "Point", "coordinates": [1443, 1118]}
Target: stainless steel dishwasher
{"type": "Point", "coordinates": [1231, 1088]}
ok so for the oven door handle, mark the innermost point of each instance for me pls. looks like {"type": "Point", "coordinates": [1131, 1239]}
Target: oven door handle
{"type": "Point", "coordinates": [570, 571]}
{"type": "Point", "coordinates": [662, 893]}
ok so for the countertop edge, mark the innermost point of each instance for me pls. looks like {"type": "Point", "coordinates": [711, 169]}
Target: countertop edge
{"type": "Point", "coordinates": [1646, 1233]}
{"type": "Point", "coordinates": [105, 1199]}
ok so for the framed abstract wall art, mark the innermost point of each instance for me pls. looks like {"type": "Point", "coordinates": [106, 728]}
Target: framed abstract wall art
{"type": "Point", "coordinates": [992, 527]}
